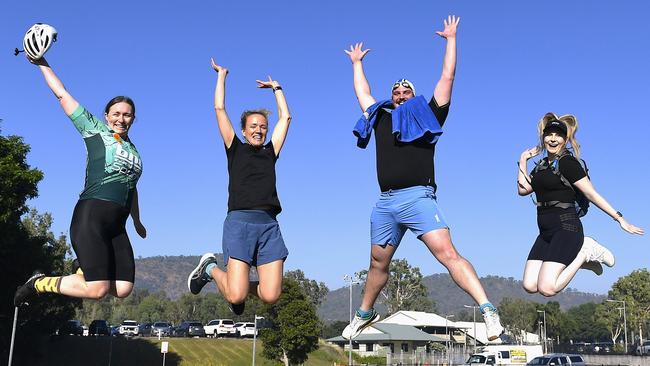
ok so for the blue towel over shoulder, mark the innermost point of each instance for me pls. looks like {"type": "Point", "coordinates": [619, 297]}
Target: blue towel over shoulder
{"type": "Point", "coordinates": [412, 120]}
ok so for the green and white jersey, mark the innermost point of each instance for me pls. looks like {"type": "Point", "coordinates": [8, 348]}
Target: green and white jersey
{"type": "Point", "coordinates": [113, 165]}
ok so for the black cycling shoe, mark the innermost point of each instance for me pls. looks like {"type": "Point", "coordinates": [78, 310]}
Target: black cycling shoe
{"type": "Point", "coordinates": [27, 290]}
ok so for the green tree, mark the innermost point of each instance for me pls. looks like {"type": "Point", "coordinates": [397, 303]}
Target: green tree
{"type": "Point", "coordinates": [293, 326]}
{"type": "Point", "coordinates": [584, 325]}
{"type": "Point", "coordinates": [634, 289]}
{"type": "Point", "coordinates": [517, 316]}
{"type": "Point", "coordinates": [611, 317]}
{"type": "Point", "coordinates": [25, 246]}
{"type": "Point", "coordinates": [404, 290]}
{"type": "Point", "coordinates": [315, 291]}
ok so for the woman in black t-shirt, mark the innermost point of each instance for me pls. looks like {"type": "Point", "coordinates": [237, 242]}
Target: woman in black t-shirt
{"type": "Point", "coordinates": [251, 233]}
{"type": "Point", "coordinates": [561, 247]}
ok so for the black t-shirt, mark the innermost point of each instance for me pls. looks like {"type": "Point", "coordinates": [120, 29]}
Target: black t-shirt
{"type": "Point", "coordinates": [251, 183]}
{"type": "Point", "coordinates": [549, 187]}
{"type": "Point", "coordinates": [405, 164]}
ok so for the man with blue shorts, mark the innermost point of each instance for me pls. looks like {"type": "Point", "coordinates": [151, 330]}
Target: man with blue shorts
{"type": "Point", "coordinates": [406, 129]}
{"type": "Point", "coordinates": [251, 234]}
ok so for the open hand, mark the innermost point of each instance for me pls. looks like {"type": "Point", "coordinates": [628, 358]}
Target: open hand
{"type": "Point", "coordinates": [267, 84]}
{"type": "Point", "coordinates": [356, 52]}
{"type": "Point", "coordinates": [529, 153]}
{"type": "Point", "coordinates": [217, 68]}
{"type": "Point", "coordinates": [451, 25]}
{"type": "Point", "coordinates": [629, 227]}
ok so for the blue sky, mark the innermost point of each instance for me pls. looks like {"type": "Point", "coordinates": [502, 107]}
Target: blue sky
{"type": "Point", "coordinates": [516, 61]}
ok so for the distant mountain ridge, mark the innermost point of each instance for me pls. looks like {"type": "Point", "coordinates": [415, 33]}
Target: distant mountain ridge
{"type": "Point", "coordinates": [169, 274]}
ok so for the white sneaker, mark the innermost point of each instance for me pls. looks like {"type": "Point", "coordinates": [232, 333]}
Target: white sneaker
{"type": "Point", "coordinates": [358, 324]}
{"type": "Point", "coordinates": [595, 267]}
{"type": "Point", "coordinates": [596, 252]}
{"type": "Point", "coordinates": [492, 324]}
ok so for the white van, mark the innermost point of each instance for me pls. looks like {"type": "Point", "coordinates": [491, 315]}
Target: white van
{"type": "Point", "coordinates": [505, 355]}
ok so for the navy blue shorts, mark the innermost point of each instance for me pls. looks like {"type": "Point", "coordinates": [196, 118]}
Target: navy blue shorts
{"type": "Point", "coordinates": [254, 237]}
{"type": "Point", "coordinates": [414, 208]}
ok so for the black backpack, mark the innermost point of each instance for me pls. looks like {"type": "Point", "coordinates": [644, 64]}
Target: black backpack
{"type": "Point", "coordinates": [582, 203]}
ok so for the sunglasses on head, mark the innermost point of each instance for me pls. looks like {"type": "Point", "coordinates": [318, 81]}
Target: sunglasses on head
{"type": "Point", "coordinates": [405, 84]}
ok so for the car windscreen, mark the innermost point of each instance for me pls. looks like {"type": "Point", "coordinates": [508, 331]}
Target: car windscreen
{"type": "Point", "coordinates": [129, 323]}
{"type": "Point", "coordinates": [195, 324]}
{"type": "Point", "coordinates": [228, 322]}
{"type": "Point", "coordinates": [539, 361]}
{"type": "Point", "coordinates": [576, 359]}
{"type": "Point", "coordinates": [476, 359]}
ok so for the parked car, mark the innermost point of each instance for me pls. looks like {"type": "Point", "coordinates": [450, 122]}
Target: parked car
{"type": "Point", "coordinates": [164, 328]}
{"type": "Point", "coordinates": [245, 329]}
{"type": "Point", "coordinates": [71, 327]}
{"type": "Point", "coordinates": [190, 329]}
{"type": "Point", "coordinates": [129, 328]}
{"type": "Point", "coordinates": [99, 327]}
{"type": "Point", "coordinates": [603, 347]}
{"type": "Point", "coordinates": [144, 329]}
{"type": "Point", "coordinates": [643, 349]}
{"type": "Point", "coordinates": [220, 328]}
{"type": "Point", "coordinates": [115, 330]}
{"type": "Point", "coordinates": [557, 359]}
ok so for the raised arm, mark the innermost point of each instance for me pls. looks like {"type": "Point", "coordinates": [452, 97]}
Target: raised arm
{"type": "Point", "coordinates": [361, 86]}
{"type": "Point", "coordinates": [442, 92]}
{"type": "Point", "coordinates": [587, 188]}
{"type": "Point", "coordinates": [284, 117]}
{"type": "Point", "coordinates": [523, 183]}
{"type": "Point", "coordinates": [68, 103]}
{"type": "Point", "coordinates": [225, 126]}
{"type": "Point", "coordinates": [135, 215]}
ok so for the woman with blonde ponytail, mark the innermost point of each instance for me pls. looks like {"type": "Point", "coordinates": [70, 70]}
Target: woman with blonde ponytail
{"type": "Point", "coordinates": [561, 247]}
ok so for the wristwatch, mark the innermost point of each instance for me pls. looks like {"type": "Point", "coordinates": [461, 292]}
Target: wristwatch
{"type": "Point", "coordinates": [276, 88]}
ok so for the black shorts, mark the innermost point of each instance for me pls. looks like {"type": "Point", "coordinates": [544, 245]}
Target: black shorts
{"type": "Point", "coordinates": [560, 236]}
{"type": "Point", "coordinates": [98, 235]}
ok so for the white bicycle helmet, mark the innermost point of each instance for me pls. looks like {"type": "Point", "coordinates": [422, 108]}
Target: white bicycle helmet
{"type": "Point", "coordinates": [38, 40]}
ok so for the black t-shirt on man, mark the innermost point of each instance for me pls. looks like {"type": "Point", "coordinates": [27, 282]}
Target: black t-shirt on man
{"type": "Point", "coordinates": [549, 187]}
{"type": "Point", "coordinates": [251, 183]}
{"type": "Point", "coordinates": [405, 164]}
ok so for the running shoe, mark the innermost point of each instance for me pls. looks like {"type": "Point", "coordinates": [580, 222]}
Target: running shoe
{"type": "Point", "coordinates": [237, 309]}
{"type": "Point", "coordinates": [595, 267]}
{"type": "Point", "coordinates": [492, 323]}
{"type": "Point", "coordinates": [597, 253]}
{"type": "Point", "coordinates": [27, 290]}
{"type": "Point", "coordinates": [358, 324]}
{"type": "Point", "coordinates": [198, 278]}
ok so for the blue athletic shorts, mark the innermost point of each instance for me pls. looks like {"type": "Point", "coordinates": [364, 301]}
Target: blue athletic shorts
{"type": "Point", "coordinates": [413, 208]}
{"type": "Point", "coordinates": [254, 237]}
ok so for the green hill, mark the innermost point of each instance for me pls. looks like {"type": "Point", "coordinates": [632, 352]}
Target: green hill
{"type": "Point", "coordinates": [169, 274]}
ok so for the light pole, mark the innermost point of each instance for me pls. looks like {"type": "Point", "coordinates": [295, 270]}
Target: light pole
{"type": "Point", "coordinates": [255, 335]}
{"type": "Point", "coordinates": [544, 311]}
{"type": "Point", "coordinates": [351, 280]}
{"type": "Point", "coordinates": [448, 337]}
{"type": "Point", "coordinates": [474, 310]}
{"type": "Point", "coordinates": [624, 320]}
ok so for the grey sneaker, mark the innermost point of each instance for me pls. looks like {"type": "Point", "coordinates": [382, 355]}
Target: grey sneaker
{"type": "Point", "coordinates": [595, 267]}
{"type": "Point", "coordinates": [198, 278]}
{"type": "Point", "coordinates": [597, 253]}
{"type": "Point", "coordinates": [492, 323]}
{"type": "Point", "coordinates": [358, 324]}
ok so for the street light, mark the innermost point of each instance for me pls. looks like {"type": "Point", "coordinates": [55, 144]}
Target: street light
{"type": "Point", "coordinates": [544, 311]}
{"type": "Point", "coordinates": [448, 337]}
{"type": "Point", "coordinates": [624, 320]}
{"type": "Point", "coordinates": [255, 335]}
{"type": "Point", "coordinates": [474, 310]}
{"type": "Point", "coordinates": [351, 280]}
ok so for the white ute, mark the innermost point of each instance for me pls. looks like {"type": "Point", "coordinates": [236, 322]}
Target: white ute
{"type": "Point", "coordinates": [129, 328]}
